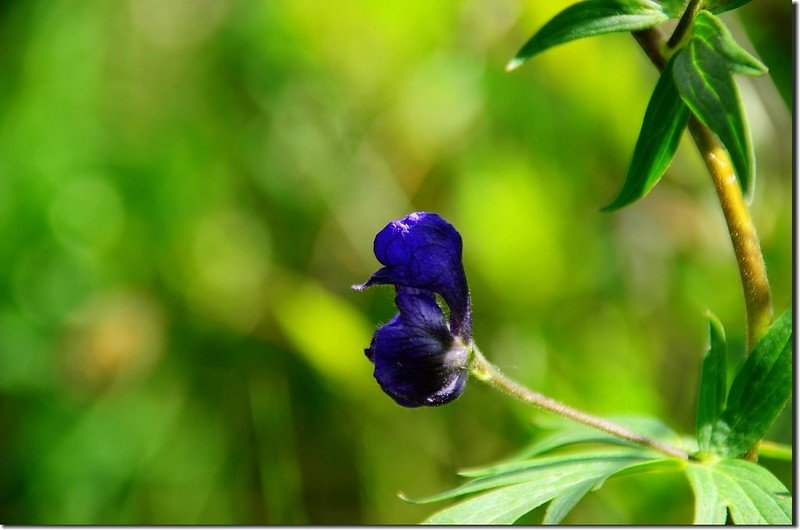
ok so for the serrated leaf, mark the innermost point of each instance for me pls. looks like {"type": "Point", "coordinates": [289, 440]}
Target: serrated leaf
{"type": "Point", "coordinates": [751, 493]}
{"type": "Point", "coordinates": [590, 18]}
{"type": "Point", "coordinates": [560, 506]}
{"type": "Point", "coordinates": [702, 73]}
{"type": "Point", "coordinates": [662, 127]}
{"type": "Point", "coordinates": [713, 383]}
{"type": "Point", "coordinates": [720, 6]}
{"type": "Point", "coordinates": [507, 502]}
{"type": "Point", "coordinates": [759, 392]}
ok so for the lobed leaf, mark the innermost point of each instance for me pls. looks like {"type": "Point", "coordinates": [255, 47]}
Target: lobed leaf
{"type": "Point", "coordinates": [703, 75]}
{"type": "Point", "coordinates": [590, 18]}
{"type": "Point", "coordinates": [713, 384]}
{"type": "Point", "coordinates": [709, 507]}
{"type": "Point", "coordinates": [751, 493]}
{"type": "Point", "coordinates": [664, 122]}
{"type": "Point", "coordinates": [572, 468]}
{"type": "Point", "coordinates": [560, 506]}
{"type": "Point", "coordinates": [759, 392]}
{"type": "Point", "coordinates": [566, 483]}
{"type": "Point", "coordinates": [575, 434]}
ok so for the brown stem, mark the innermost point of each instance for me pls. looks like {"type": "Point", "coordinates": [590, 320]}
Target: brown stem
{"type": "Point", "coordinates": [683, 24]}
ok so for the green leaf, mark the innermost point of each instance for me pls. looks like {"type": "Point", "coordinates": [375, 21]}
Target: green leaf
{"type": "Point", "coordinates": [560, 506]}
{"type": "Point", "coordinates": [573, 468]}
{"type": "Point", "coordinates": [673, 8]}
{"type": "Point", "coordinates": [713, 383]}
{"type": "Point", "coordinates": [664, 122]}
{"type": "Point", "coordinates": [710, 29]}
{"type": "Point", "coordinates": [574, 433]}
{"type": "Point", "coordinates": [759, 392]}
{"type": "Point", "coordinates": [703, 75]}
{"type": "Point", "coordinates": [516, 492]}
{"type": "Point", "coordinates": [587, 19]}
{"type": "Point", "coordinates": [751, 493]}
{"type": "Point", "coordinates": [709, 508]}
{"type": "Point", "coordinates": [720, 6]}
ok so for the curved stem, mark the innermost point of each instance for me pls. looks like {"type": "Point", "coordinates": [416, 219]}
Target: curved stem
{"type": "Point", "coordinates": [757, 297]}
{"type": "Point", "coordinates": [752, 270]}
{"type": "Point", "coordinates": [490, 374]}
{"type": "Point", "coordinates": [684, 23]}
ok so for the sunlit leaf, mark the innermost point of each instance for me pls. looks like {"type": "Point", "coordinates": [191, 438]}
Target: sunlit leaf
{"type": "Point", "coordinates": [703, 75]}
{"type": "Point", "coordinates": [587, 19]}
{"type": "Point", "coordinates": [663, 125]}
{"type": "Point", "coordinates": [560, 506]}
{"type": "Point", "coordinates": [713, 383]}
{"type": "Point", "coordinates": [575, 434]}
{"type": "Point", "coordinates": [514, 493]}
{"type": "Point", "coordinates": [573, 468]}
{"type": "Point", "coordinates": [751, 493]}
{"type": "Point", "coordinates": [759, 391]}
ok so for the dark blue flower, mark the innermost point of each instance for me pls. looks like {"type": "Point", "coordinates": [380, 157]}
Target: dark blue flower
{"type": "Point", "coordinates": [420, 358]}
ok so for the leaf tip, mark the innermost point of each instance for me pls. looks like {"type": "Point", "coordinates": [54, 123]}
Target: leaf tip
{"type": "Point", "coordinates": [613, 206]}
{"type": "Point", "coordinates": [514, 63]}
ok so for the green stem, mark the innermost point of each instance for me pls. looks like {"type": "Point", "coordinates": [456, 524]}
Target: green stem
{"type": "Point", "coordinates": [774, 450]}
{"type": "Point", "coordinates": [490, 374]}
{"type": "Point", "coordinates": [746, 246]}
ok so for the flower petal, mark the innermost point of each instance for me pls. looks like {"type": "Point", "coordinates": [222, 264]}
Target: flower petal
{"type": "Point", "coordinates": [423, 251]}
{"type": "Point", "coordinates": [417, 361]}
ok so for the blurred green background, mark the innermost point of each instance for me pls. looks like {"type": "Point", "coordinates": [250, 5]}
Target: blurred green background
{"type": "Point", "coordinates": [189, 188]}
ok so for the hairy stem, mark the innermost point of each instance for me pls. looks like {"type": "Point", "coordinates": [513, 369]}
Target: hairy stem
{"type": "Point", "coordinates": [753, 272]}
{"type": "Point", "coordinates": [490, 374]}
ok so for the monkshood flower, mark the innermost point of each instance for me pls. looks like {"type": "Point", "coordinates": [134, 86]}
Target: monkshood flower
{"type": "Point", "coordinates": [420, 357]}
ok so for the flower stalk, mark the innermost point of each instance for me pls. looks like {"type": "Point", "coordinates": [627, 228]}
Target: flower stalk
{"type": "Point", "coordinates": [491, 375]}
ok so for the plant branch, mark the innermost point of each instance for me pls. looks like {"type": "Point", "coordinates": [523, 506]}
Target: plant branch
{"type": "Point", "coordinates": [752, 270]}
{"type": "Point", "coordinates": [684, 23]}
{"type": "Point", "coordinates": [490, 374]}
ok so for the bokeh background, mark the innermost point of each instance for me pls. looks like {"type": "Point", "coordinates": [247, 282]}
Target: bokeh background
{"type": "Point", "coordinates": [188, 189]}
